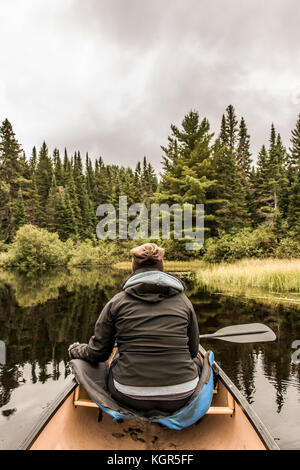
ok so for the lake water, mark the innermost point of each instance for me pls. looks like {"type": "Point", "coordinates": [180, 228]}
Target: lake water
{"type": "Point", "coordinates": [41, 315]}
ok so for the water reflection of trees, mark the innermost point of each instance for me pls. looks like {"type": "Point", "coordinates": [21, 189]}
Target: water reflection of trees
{"type": "Point", "coordinates": [41, 315]}
{"type": "Point", "coordinates": [240, 361]}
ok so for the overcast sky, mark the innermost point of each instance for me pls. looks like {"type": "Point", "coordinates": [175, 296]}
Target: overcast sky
{"type": "Point", "coordinates": [109, 77]}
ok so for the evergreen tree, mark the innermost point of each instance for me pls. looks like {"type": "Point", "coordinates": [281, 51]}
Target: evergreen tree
{"type": "Point", "coordinates": [294, 159]}
{"type": "Point", "coordinates": [32, 203]}
{"type": "Point", "coordinates": [50, 220]}
{"type": "Point", "coordinates": [261, 187]}
{"type": "Point", "coordinates": [33, 161]}
{"type": "Point", "coordinates": [231, 127]}
{"type": "Point", "coordinates": [10, 157]}
{"type": "Point", "coordinates": [72, 190]}
{"type": "Point", "coordinates": [44, 173]}
{"type": "Point", "coordinates": [187, 176]}
{"type": "Point", "coordinates": [11, 177]}
{"type": "Point", "coordinates": [224, 139]}
{"type": "Point", "coordinates": [229, 204]}
{"type": "Point", "coordinates": [20, 216]}
{"type": "Point", "coordinates": [83, 200]}
{"type": "Point", "coordinates": [243, 155]}
{"type": "Point", "coordinates": [138, 182]}
{"type": "Point", "coordinates": [149, 179]}
{"type": "Point", "coordinates": [294, 206]}
{"type": "Point", "coordinates": [65, 221]}
{"type": "Point", "coordinates": [58, 168]}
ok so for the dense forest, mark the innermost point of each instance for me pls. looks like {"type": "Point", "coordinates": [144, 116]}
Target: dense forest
{"type": "Point", "coordinates": [246, 204]}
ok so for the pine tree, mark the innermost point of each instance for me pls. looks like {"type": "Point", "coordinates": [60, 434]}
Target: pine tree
{"type": "Point", "coordinates": [50, 212]}
{"type": "Point", "coordinates": [229, 199]}
{"type": "Point", "coordinates": [72, 190]}
{"type": "Point", "coordinates": [270, 187]}
{"type": "Point", "coordinates": [10, 157]}
{"type": "Point", "coordinates": [229, 203]}
{"type": "Point", "coordinates": [90, 179]}
{"type": "Point", "coordinates": [260, 196]}
{"type": "Point", "coordinates": [277, 173]}
{"type": "Point", "coordinates": [293, 176]}
{"type": "Point", "coordinates": [65, 220]}
{"type": "Point", "coordinates": [294, 206]}
{"type": "Point", "coordinates": [243, 155]}
{"type": "Point", "coordinates": [294, 160]}
{"type": "Point", "coordinates": [83, 200]}
{"type": "Point", "coordinates": [33, 161]}
{"type": "Point", "coordinates": [224, 139]}
{"type": "Point", "coordinates": [32, 203]}
{"type": "Point", "coordinates": [11, 177]}
{"type": "Point", "coordinates": [58, 168]}
{"type": "Point", "coordinates": [187, 176]}
{"type": "Point", "coordinates": [138, 182]}
{"type": "Point", "coordinates": [231, 127]}
{"type": "Point", "coordinates": [44, 173]}
{"type": "Point", "coordinates": [20, 216]}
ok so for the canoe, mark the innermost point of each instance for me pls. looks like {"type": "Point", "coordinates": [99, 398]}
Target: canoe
{"type": "Point", "coordinates": [71, 423]}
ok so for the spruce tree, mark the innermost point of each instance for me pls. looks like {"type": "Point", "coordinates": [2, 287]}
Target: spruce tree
{"type": "Point", "coordinates": [72, 190]}
{"type": "Point", "coordinates": [231, 127]}
{"type": "Point", "coordinates": [83, 199]}
{"type": "Point", "coordinates": [58, 168]}
{"type": "Point", "coordinates": [43, 180]}
{"type": "Point", "coordinates": [20, 216]}
{"type": "Point", "coordinates": [294, 158]}
{"type": "Point", "coordinates": [229, 204]}
{"type": "Point", "coordinates": [11, 177]}
{"type": "Point", "coordinates": [294, 206]}
{"type": "Point", "coordinates": [33, 161]}
{"type": "Point", "coordinates": [261, 198]}
{"type": "Point", "coordinates": [187, 176]}
{"type": "Point", "coordinates": [10, 157]}
{"type": "Point", "coordinates": [66, 226]}
{"type": "Point", "coordinates": [50, 220]}
{"type": "Point", "coordinates": [243, 155]}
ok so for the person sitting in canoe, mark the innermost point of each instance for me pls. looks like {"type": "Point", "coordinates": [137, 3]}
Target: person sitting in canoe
{"type": "Point", "coordinates": [156, 331]}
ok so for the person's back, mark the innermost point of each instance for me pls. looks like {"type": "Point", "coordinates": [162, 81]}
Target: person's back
{"type": "Point", "coordinates": [155, 334]}
{"type": "Point", "coordinates": [155, 328]}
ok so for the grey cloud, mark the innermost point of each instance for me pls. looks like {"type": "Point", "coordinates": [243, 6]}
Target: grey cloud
{"type": "Point", "coordinates": [110, 77]}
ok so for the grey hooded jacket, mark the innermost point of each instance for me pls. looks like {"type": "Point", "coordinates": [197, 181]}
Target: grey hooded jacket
{"type": "Point", "coordinates": [156, 330]}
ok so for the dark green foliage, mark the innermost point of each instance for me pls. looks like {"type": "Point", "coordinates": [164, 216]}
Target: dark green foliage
{"type": "Point", "coordinates": [11, 178]}
{"type": "Point", "coordinates": [243, 155]}
{"type": "Point", "coordinates": [294, 159]}
{"type": "Point", "coordinates": [66, 225]}
{"type": "Point", "coordinates": [248, 243]}
{"type": "Point", "coordinates": [242, 202]}
{"type": "Point", "coordinates": [20, 216]}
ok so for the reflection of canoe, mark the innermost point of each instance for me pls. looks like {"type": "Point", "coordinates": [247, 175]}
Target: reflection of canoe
{"type": "Point", "coordinates": [71, 422]}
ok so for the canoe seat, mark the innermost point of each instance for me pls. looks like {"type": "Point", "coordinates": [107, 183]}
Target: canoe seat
{"type": "Point", "coordinates": [82, 399]}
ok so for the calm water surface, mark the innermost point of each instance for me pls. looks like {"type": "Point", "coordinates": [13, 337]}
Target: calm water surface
{"type": "Point", "coordinates": [41, 315]}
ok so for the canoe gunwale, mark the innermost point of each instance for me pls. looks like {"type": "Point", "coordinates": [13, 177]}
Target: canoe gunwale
{"type": "Point", "coordinates": [254, 419]}
{"type": "Point", "coordinates": [46, 416]}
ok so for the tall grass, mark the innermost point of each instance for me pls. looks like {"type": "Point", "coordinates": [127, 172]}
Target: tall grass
{"type": "Point", "coordinates": [275, 275]}
{"type": "Point", "coordinates": [192, 265]}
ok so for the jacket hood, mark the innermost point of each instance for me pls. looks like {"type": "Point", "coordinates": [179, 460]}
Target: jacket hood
{"type": "Point", "coordinates": [152, 285]}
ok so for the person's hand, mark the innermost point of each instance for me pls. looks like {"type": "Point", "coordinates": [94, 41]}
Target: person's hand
{"type": "Point", "coordinates": [71, 346]}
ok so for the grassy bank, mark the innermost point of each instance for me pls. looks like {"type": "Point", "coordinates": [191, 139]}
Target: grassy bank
{"type": "Point", "coordinates": [273, 275]}
{"type": "Point", "coordinates": [192, 265]}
